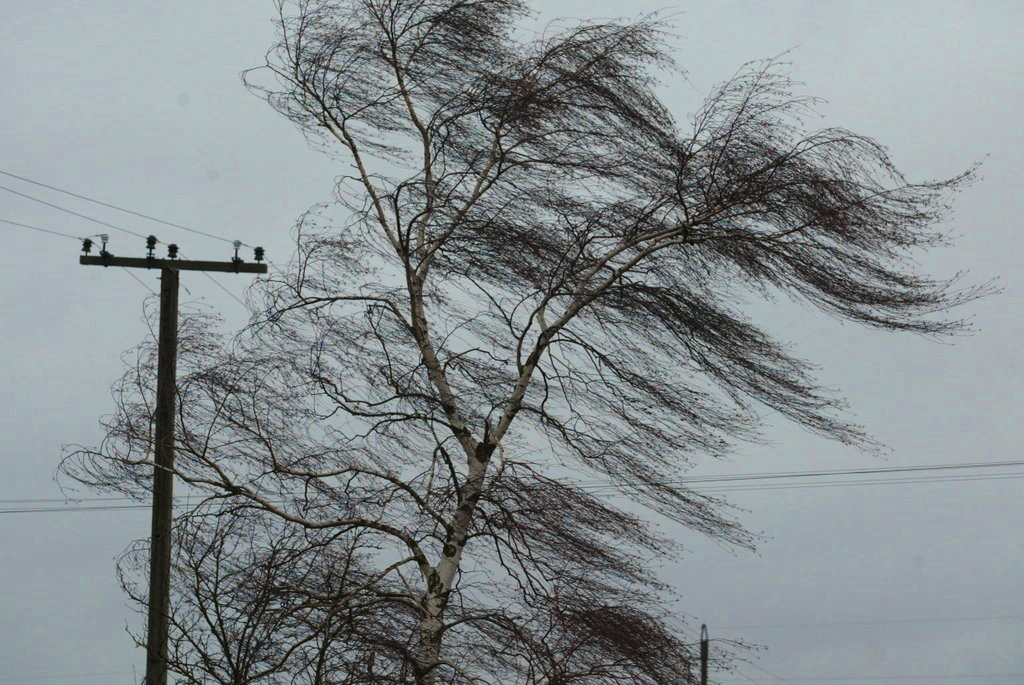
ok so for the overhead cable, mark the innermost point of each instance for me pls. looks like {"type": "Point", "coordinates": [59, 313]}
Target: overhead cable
{"type": "Point", "coordinates": [118, 208]}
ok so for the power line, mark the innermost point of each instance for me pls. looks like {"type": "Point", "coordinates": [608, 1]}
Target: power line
{"type": "Point", "coordinates": [230, 294]}
{"type": "Point", "coordinates": [129, 211]}
{"type": "Point", "coordinates": [29, 510]}
{"type": "Point", "coordinates": [876, 481]}
{"type": "Point", "coordinates": [769, 673]}
{"type": "Point", "coordinates": [119, 208]}
{"type": "Point", "coordinates": [45, 500]}
{"type": "Point", "coordinates": [898, 677]}
{"type": "Point", "coordinates": [121, 507]}
{"type": "Point", "coordinates": [745, 487]}
{"type": "Point", "coordinates": [951, 619]}
{"type": "Point", "coordinates": [72, 212]}
{"type": "Point", "coordinates": [47, 510]}
{"type": "Point", "coordinates": [42, 230]}
{"type": "Point", "coordinates": [770, 475]}
{"type": "Point", "coordinates": [140, 281]}
{"type": "Point", "coordinates": [59, 676]}
{"type": "Point", "coordinates": [68, 235]}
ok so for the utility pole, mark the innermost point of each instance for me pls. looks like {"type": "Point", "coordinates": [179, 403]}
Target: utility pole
{"type": "Point", "coordinates": [703, 654]}
{"type": "Point", "coordinates": [163, 447]}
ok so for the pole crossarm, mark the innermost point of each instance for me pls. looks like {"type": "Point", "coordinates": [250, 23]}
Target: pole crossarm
{"type": "Point", "coordinates": [174, 264]}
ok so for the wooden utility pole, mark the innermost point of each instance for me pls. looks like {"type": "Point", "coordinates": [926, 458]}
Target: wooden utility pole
{"type": "Point", "coordinates": [163, 447]}
{"type": "Point", "coordinates": [703, 654]}
{"type": "Point", "coordinates": [163, 483]}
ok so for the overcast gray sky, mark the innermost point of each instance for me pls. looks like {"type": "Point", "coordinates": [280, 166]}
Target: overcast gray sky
{"type": "Point", "coordinates": [140, 103]}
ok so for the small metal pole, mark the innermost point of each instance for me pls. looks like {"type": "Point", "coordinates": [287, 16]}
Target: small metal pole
{"type": "Point", "coordinates": [703, 654]}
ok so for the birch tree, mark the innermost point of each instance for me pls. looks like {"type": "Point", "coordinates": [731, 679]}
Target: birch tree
{"type": "Point", "coordinates": [525, 328]}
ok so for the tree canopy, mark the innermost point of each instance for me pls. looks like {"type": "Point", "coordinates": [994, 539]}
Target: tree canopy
{"type": "Point", "coordinates": [537, 288]}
